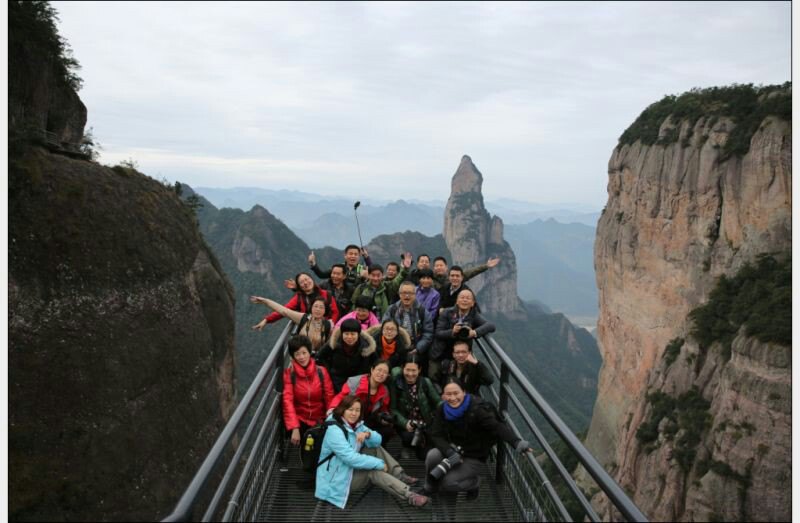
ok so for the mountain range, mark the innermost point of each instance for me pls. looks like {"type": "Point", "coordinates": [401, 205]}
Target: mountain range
{"type": "Point", "coordinates": [553, 247]}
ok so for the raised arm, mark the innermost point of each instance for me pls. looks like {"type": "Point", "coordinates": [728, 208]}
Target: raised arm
{"type": "Point", "coordinates": [474, 271]}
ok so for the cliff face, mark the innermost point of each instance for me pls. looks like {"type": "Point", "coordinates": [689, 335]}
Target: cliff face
{"type": "Point", "coordinates": [41, 89]}
{"type": "Point", "coordinates": [121, 361]}
{"type": "Point", "coordinates": [678, 216]}
{"type": "Point", "coordinates": [257, 252]}
{"type": "Point", "coordinates": [472, 236]}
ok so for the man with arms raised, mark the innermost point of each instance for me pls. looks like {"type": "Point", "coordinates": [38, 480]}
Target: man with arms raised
{"type": "Point", "coordinates": [353, 269]}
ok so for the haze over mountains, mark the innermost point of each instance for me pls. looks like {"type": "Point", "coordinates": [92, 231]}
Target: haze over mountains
{"type": "Point", "coordinates": [301, 210]}
{"type": "Point", "coordinates": [553, 242]}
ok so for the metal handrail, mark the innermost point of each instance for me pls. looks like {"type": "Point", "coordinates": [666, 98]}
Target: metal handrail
{"type": "Point", "coordinates": [185, 507]}
{"type": "Point", "coordinates": [614, 492]}
{"type": "Point", "coordinates": [548, 486]}
{"type": "Point", "coordinates": [525, 476]}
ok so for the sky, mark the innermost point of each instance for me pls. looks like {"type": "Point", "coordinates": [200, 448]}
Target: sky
{"type": "Point", "coordinates": [383, 99]}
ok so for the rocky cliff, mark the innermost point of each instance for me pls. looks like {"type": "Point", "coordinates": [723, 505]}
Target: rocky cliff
{"type": "Point", "coordinates": [41, 82]}
{"type": "Point", "coordinates": [473, 236]}
{"type": "Point", "coordinates": [121, 361]}
{"type": "Point", "coordinates": [684, 209]}
{"type": "Point", "coordinates": [120, 324]}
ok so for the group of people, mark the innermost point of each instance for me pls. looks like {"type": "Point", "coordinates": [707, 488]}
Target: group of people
{"type": "Point", "coordinates": [384, 355]}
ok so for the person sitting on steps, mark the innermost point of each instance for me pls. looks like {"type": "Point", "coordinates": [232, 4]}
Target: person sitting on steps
{"type": "Point", "coordinates": [348, 468]}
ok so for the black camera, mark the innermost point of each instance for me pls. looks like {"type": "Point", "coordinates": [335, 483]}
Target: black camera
{"type": "Point", "coordinates": [385, 418]}
{"type": "Point", "coordinates": [447, 463]}
{"type": "Point", "coordinates": [419, 433]}
{"type": "Point", "coordinates": [463, 333]}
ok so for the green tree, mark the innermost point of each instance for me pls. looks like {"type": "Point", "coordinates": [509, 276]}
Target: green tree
{"type": "Point", "coordinates": [32, 31]}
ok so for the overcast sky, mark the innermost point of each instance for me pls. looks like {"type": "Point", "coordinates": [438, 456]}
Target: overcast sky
{"type": "Point", "coordinates": [384, 98]}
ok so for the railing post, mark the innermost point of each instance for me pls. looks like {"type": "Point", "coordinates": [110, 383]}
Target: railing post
{"type": "Point", "coordinates": [503, 407]}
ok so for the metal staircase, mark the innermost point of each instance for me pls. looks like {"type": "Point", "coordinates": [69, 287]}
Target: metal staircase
{"type": "Point", "coordinates": [250, 474]}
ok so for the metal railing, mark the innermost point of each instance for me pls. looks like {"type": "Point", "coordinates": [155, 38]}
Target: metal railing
{"type": "Point", "coordinates": [535, 495]}
{"type": "Point", "coordinates": [261, 406]}
{"type": "Point", "coordinates": [534, 492]}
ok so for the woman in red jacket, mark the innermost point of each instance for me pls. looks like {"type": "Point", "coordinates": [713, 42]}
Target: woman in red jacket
{"type": "Point", "coordinates": [374, 396]}
{"type": "Point", "coordinates": [302, 301]}
{"type": "Point", "coordinates": [307, 390]}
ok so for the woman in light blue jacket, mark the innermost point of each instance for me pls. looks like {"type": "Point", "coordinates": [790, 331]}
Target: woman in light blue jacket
{"type": "Point", "coordinates": [348, 469]}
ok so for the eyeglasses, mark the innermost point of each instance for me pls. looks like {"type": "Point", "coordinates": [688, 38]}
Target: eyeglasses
{"type": "Point", "coordinates": [406, 293]}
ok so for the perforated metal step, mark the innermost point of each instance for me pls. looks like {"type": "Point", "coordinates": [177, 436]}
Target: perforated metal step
{"type": "Point", "coordinates": [285, 502]}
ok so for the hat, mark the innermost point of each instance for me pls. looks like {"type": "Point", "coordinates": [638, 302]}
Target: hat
{"type": "Point", "coordinates": [425, 273]}
{"type": "Point", "coordinates": [364, 302]}
{"type": "Point", "coordinates": [351, 325]}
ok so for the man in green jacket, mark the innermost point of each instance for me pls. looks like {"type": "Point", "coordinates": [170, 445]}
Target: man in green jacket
{"type": "Point", "coordinates": [378, 289]}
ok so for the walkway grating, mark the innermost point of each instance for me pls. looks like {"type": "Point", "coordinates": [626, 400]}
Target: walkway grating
{"type": "Point", "coordinates": [285, 502]}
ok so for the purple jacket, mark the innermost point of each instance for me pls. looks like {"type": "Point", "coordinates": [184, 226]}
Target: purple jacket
{"type": "Point", "coordinates": [429, 298]}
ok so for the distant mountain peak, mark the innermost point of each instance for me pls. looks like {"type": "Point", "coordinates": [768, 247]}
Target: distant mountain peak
{"type": "Point", "coordinates": [467, 177]}
{"type": "Point", "coordinates": [472, 236]}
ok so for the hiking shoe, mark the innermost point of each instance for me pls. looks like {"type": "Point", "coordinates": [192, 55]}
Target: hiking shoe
{"type": "Point", "coordinates": [417, 500]}
{"type": "Point", "coordinates": [473, 494]}
{"type": "Point", "coordinates": [408, 480]}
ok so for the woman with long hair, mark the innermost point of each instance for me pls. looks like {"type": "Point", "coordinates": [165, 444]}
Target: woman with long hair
{"type": "Point", "coordinates": [313, 324]}
{"type": "Point", "coordinates": [302, 301]}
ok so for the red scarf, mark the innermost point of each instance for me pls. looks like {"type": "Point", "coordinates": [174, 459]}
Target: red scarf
{"type": "Point", "coordinates": [388, 348]}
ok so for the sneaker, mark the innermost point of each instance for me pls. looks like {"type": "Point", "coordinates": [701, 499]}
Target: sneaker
{"type": "Point", "coordinates": [408, 480]}
{"type": "Point", "coordinates": [417, 500]}
{"type": "Point", "coordinates": [473, 494]}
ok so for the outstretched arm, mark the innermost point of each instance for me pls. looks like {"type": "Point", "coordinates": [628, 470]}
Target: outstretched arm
{"type": "Point", "coordinates": [295, 316]}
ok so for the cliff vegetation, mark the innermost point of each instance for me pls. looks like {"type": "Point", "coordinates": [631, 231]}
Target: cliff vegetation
{"type": "Point", "coordinates": [745, 104]}
{"type": "Point", "coordinates": [758, 297]}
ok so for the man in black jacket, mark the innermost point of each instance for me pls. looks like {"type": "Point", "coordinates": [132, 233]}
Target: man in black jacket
{"type": "Point", "coordinates": [466, 367]}
{"type": "Point", "coordinates": [338, 287]}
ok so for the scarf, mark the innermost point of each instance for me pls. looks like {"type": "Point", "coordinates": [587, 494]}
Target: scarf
{"type": "Point", "coordinates": [454, 414]}
{"type": "Point", "coordinates": [388, 348]}
{"type": "Point", "coordinates": [413, 393]}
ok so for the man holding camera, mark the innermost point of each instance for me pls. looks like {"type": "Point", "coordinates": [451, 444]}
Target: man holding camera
{"type": "Point", "coordinates": [464, 430]}
{"type": "Point", "coordinates": [462, 321]}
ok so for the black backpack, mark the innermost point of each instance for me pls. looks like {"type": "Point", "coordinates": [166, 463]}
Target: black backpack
{"type": "Point", "coordinates": [311, 445]}
{"type": "Point", "coordinates": [279, 383]}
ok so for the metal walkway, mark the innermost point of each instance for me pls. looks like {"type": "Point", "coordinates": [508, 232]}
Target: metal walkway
{"type": "Point", "coordinates": [250, 474]}
{"type": "Point", "coordinates": [285, 502]}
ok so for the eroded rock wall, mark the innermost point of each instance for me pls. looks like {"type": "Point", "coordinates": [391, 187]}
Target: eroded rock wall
{"type": "Point", "coordinates": [679, 216]}
{"type": "Point", "coordinates": [121, 355]}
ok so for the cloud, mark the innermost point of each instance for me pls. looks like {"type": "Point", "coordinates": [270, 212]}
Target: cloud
{"type": "Point", "coordinates": [364, 90]}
